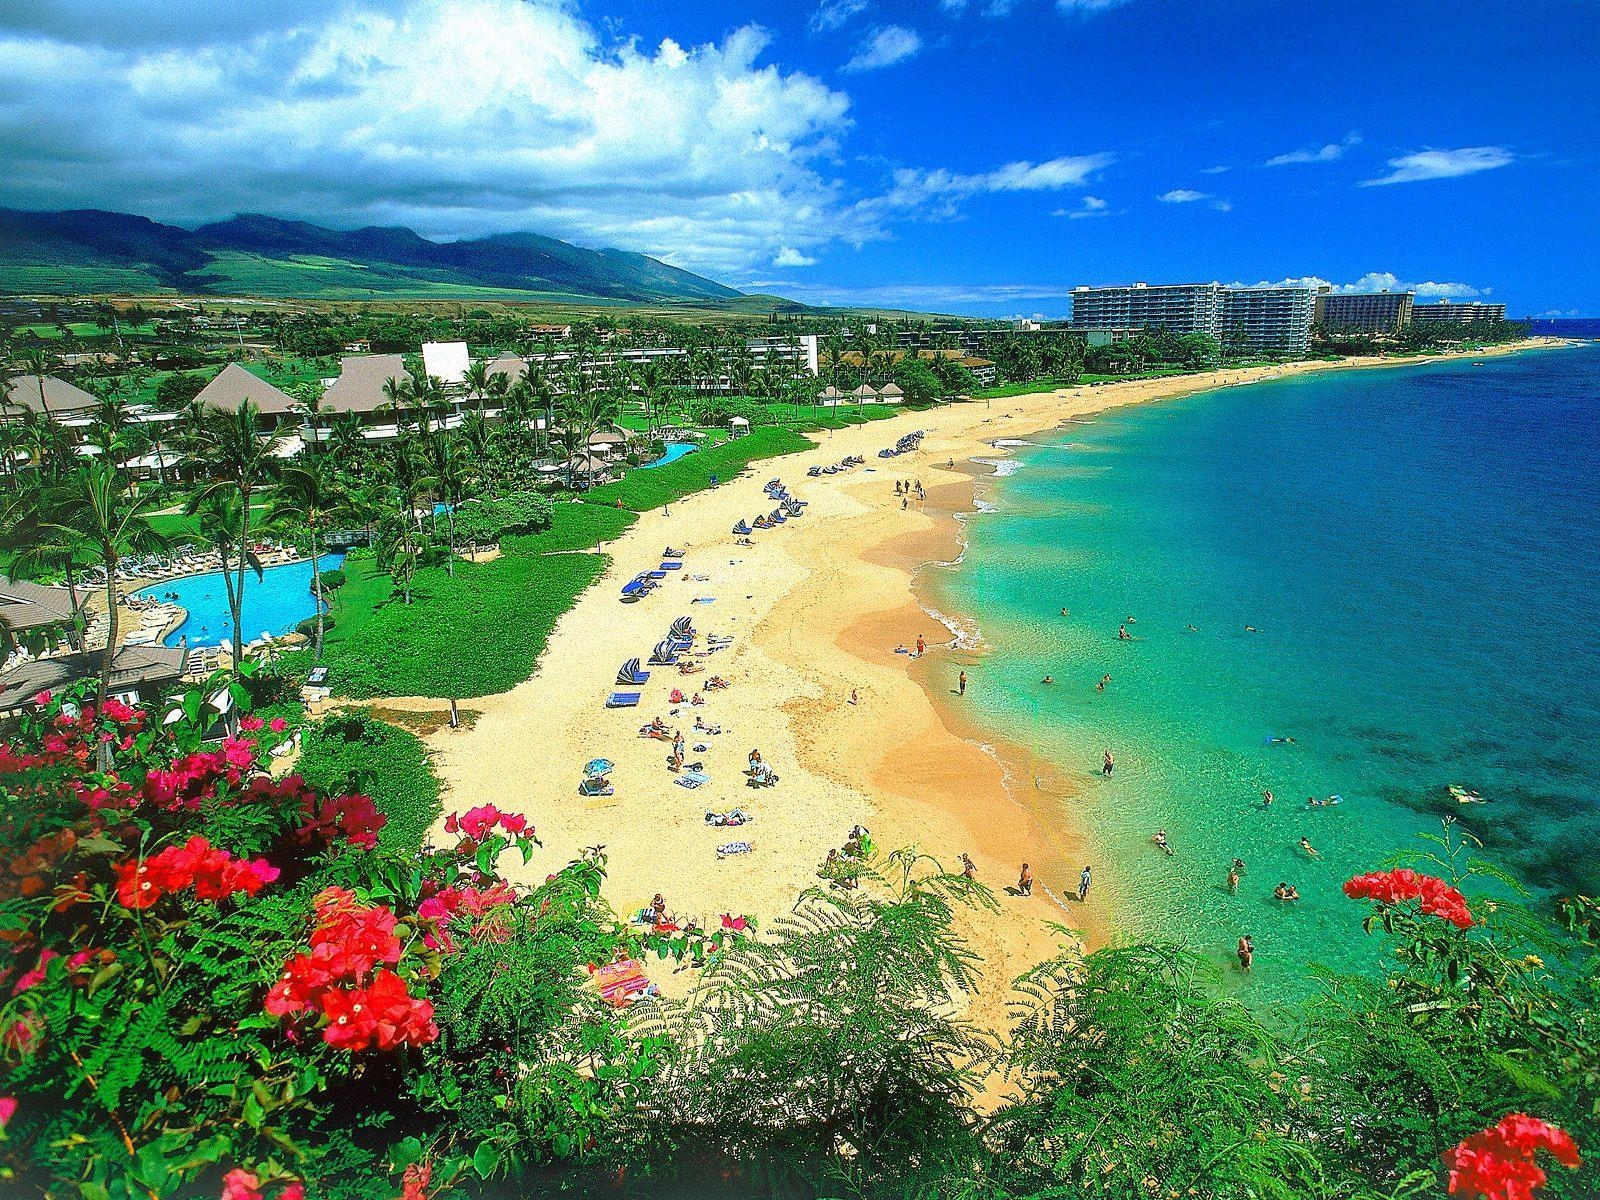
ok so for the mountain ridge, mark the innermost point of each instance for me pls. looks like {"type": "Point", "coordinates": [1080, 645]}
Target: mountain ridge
{"type": "Point", "coordinates": [90, 251]}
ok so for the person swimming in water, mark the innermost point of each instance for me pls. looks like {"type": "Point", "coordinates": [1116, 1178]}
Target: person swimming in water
{"type": "Point", "coordinates": [1309, 848]}
{"type": "Point", "coordinates": [1048, 679]}
{"type": "Point", "coordinates": [1160, 840]}
{"type": "Point", "coordinates": [1266, 798]}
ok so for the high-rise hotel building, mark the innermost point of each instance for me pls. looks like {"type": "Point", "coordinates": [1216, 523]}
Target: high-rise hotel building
{"type": "Point", "coordinates": [1449, 310]}
{"type": "Point", "coordinates": [1365, 312]}
{"type": "Point", "coordinates": [1248, 318]}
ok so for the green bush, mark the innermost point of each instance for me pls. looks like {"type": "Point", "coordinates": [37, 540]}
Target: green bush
{"type": "Point", "coordinates": [352, 752]}
{"type": "Point", "coordinates": [573, 527]}
{"type": "Point", "coordinates": [489, 520]}
{"type": "Point", "coordinates": [331, 580]}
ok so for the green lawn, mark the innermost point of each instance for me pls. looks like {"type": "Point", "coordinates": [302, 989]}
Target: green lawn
{"type": "Point", "coordinates": [644, 490]}
{"type": "Point", "coordinates": [180, 527]}
{"type": "Point", "coordinates": [354, 753]}
{"type": "Point", "coordinates": [476, 634]}
{"type": "Point", "coordinates": [573, 527]}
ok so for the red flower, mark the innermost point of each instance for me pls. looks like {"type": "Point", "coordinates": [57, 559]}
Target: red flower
{"type": "Point", "coordinates": [8, 1109]}
{"type": "Point", "coordinates": [1499, 1163]}
{"type": "Point", "coordinates": [277, 724]}
{"type": "Point", "coordinates": [214, 874]}
{"type": "Point", "coordinates": [295, 1190]}
{"type": "Point", "coordinates": [249, 724]}
{"type": "Point", "coordinates": [239, 1184]}
{"type": "Point", "coordinates": [1437, 898]}
{"type": "Point", "coordinates": [414, 1183]}
{"type": "Point", "coordinates": [477, 822]}
{"type": "Point", "coordinates": [42, 699]}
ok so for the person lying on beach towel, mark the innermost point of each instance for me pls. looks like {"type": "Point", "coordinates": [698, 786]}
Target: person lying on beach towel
{"type": "Point", "coordinates": [622, 982]}
{"type": "Point", "coordinates": [656, 729]}
{"type": "Point", "coordinates": [736, 817]}
{"type": "Point", "coordinates": [688, 668]}
{"type": "Point", "coordinates": [716, 683]}
{"type": "Point", "coordinates": [713, 730]}
{"type": "Point", "coordinates": [733, 848]}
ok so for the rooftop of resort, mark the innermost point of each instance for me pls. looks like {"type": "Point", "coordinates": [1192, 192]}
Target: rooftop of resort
{"type": "Point", "coordinates": [133, 669]}
{"type": "Point", "coordinates": [22, 391]}
{"type": "Point", "coordinates": [235, 385]}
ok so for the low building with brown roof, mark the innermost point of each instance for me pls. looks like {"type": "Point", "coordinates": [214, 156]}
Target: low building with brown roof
{"type": "Point", "coordinates": [234, 385]}
{"type": "Point", "coordinates": [60, 398]}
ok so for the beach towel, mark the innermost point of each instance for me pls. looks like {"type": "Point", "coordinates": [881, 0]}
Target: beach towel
{"type": "Point", "coordinates": [623, 699]}
{"type": "Point", "coordinates": [704, 600]}
{"type": "Point", "coordinates": [733, 848]}
{"type": "Point", "coordinates": [692, 779]}
{"type": "Point", "coordinates": [621, 983]}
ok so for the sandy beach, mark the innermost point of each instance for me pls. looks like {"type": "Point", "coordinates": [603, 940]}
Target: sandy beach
{"type": "Point", "coordinates": [815, 609]}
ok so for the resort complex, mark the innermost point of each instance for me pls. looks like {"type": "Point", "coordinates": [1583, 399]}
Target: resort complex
{"type": "Point", "coordinates": [619, 601]}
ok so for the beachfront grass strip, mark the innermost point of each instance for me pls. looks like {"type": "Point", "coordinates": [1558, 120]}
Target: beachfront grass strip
{"type": "Point", "coordinates": [476, 634]}
{"type": "Point", "coordinates": [573, 527]}
{"type": "Point", "coordinates": [658, 486]}
{"type": "Point", "coordinates": [352, 752]}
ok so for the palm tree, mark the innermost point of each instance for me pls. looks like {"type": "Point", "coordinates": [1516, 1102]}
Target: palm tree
{"type": "Point", "coordinates": [309, 497]}
{"type": "Point", "coordinates": [447, 468]}
{"type": "Point", "coordinates": [477, 382]}
{"type": "Point", "coordinates": [219, 515]}
{"type": "Point", "coordinates": [94, 506]}
{"type": "Point", "coordinates": [239, 461]}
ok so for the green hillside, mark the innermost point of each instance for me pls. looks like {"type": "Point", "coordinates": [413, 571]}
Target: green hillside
{"type": "Point", "coordinates": [89, 252]}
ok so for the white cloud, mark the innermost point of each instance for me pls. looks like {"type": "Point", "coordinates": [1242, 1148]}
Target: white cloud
{"type": "Point", "coordinates": [1560, 312]}
{"type": "Point", "coordinates": [1217, 170]}
{"type": "Point", "coordinates": [886, 46]}
{"type": "Point", "coordinates": [1088, 7]}
{"type": "Point", "coordinates": [953, 7]}
{"type": "Point", "coordinates": [831, 14]}
{"type": "Point", "coordinates": [917, 296]}
{"type": "Point", "coordinates": [788, 256]}
{"type": "Point", "coordinates": [456, 117]}
{"type": "Point", "coordinates": [1331, 152]}
{"type": "Point", "coordinates": [937, 194]}
{"type": "Point", "coordinates": [1092, 206]}
{"type": "Point", "coordinates": [1380, 281]}
{"type": "Point", "coordinates": [1443, 164]}
{"type": "Point", "coordinates": [1190, 196]}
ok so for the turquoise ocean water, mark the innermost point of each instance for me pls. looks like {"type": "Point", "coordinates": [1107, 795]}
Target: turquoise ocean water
{"type": "Point", "coordinates": [1420, 551]}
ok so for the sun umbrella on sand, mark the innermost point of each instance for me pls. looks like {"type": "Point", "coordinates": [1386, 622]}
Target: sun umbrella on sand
{"type": "Point", "coordinates": [598, 766]}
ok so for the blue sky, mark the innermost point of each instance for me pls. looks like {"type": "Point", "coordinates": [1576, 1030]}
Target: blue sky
{"type": "Point", "coordinates": [977, 157]}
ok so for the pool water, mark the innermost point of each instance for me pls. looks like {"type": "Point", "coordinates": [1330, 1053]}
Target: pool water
{"type": "Point", "coordinates": [675, 451]}
{"type": "Point", "coordinates": [274, 604]}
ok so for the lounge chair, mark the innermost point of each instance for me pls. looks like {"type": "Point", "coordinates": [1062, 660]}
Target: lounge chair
{"type": "Point", "coordinates": [670, 565]}
{"type": "Point", "coordinates": [664, 655]}
{"type": "Point", "coordinates": [629, 674]}
{"type": "Point", "coordinates": [669, 552]}
{"type": "Point", "coordinates": [596, 786]}
{"type": "Point", "coordinates": [623, 700]}
{"type": "Point", "coordinates": [814, 472]}
{"type": "Point", "coordinates": [742, 527]}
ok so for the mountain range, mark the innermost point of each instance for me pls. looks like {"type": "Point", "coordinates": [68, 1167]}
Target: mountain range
{"type": "Point", "coordinates": [91, 252]}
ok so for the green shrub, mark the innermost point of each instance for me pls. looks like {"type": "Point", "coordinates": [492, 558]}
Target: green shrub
{"type": "Point", "coordinates": [331, 580]}
{"type": "Point", "coordinates": [514, 513]}
{"type": "Point", "coordinates": [573, 527]}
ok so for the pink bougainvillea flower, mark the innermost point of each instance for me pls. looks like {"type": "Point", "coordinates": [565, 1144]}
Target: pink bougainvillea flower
{"type": "Point", "coordinates": [249, 724]}
{"type": "Point", "coordinates": [1499, 1163]}
{"type": "Point", "coordinates": [1436, 897]}
{"type": "Point", "coordinates": [8, 1109]}
{"type": "Point", "coordinates": [294, 1190]}
{"type": "Point", "coordinates": [277, 724]}
{"type": "Point", "coordinates": [239, 1184]}
{"type": "Point", "coordinates": [414, 1183]}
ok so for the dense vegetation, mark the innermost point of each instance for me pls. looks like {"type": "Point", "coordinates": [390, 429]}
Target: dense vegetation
{"type": "Point", "coordinates": [222, 982]}
{"type": "Point", "coordinates": [351, 752]}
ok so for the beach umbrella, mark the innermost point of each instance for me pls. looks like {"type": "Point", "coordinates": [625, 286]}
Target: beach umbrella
{"type": "Point", "coordinates": [598, 766]}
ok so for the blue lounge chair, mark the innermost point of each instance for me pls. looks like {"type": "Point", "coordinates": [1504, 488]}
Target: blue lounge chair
{"type": "Point", "coordinates": [742, 527]}
{"type": "Point", "coordinates": [656, 574]}
{"type": "Point", "coordinates": [629, 674]}
{"type": "Point", "coordinates": [623, 699]}
{"type": "Point", "coordinates": [672, 566]}
{"type": "Point", "coordinates": [664, 655]}
{"type": "Point", "coordinates": [682, 627]}
{"type": "Point", "coordinates": [814, 472]}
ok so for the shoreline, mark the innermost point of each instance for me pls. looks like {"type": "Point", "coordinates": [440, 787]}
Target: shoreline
{"type": "Point", "coordinates": [816, 608]}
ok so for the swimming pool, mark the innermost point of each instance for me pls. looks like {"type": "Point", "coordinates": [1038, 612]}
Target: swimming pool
{"type": "Point", "coordinates": [274, 604]}
{"type": "Point", "coordinates": [675, 451]}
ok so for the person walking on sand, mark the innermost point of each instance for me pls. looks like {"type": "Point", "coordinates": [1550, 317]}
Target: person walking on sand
{"type": "Point", "coordinates": [961, 684]}
{"type": "Point", "coordinates": [1247, 953]}
{"type": "Point", "coordinates": [1025, 881]}
{"type": "Point", "coordinates": [1107, 765]}
{"type": "Point", "coordinates": [922, 646]}
{"type": "Point", "coordinates": [855, 697]}
{"type": "Point", "coordinates": [1083, 885]}
{"type": "Point", "coordinates": [969, 869]}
